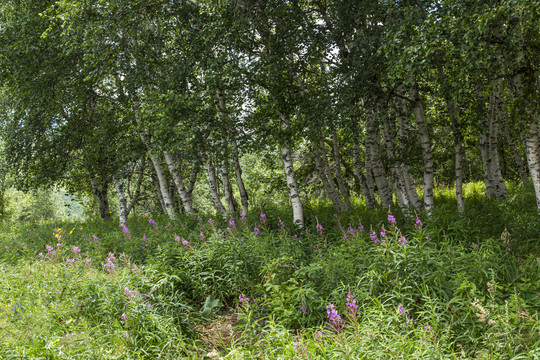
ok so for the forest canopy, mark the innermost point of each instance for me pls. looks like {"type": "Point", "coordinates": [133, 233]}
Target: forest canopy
{"type": "Point", "coordinates": [377, 99]}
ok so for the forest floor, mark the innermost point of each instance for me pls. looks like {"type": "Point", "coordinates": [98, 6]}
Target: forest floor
{"type": "Point", "coordinates": [361, 285]}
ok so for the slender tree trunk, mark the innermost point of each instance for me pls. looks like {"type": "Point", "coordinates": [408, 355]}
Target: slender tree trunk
{"type": "Point", "coordinates": [395, 167]}
{"type": "Point", "coordinates": [163, 186]}
{"type": "Point", "coordinates": [343, 188]}
{"type": "Point", "coordinates": [212, 182]}
{"type": "Point", "coordinates": [227, 188]}
{"type": "Point", "coordinates": [193, 177]}
{"type": "Point", "coordinates": [238, 172]}
{"type": "Point", "coordinates": [162, 180]}
{"type": "Point", "coordinates": [458, 152]}
{"type": "Point", "coordinates": [404, 140]}
{"type": "Point", "coordinates": [328, 185]}
{"type": "Point", "coordinates": [425, 142]}
{"type": "Point", "coordinates": [379, 174]}
{"type": "Point", "coordinates": [179, 182]}
{"type": "Point", "coordinates": [122, 202]}
{"type": "Point", "coordinates": [531, 135]}
{"type": "Point", "coordinates": [288, 168]}
{"type": "Point", "coordinates": [137, 193]}
{"type": "Point", "coordinates": [500, 186]}
{"type": "Point", "coordinates": [100, 191]}
{"type": "Point", "coordinates": [531, 140]}
{"type": "Point", "coordinates": [458, 147]}
{"type": "Point", "coordinates": [368, 192]}
{"type": "Point", "coordinates": [158, 189]}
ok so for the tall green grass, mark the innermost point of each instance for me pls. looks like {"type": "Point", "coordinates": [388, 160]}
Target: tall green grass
{"type": "Point", "coordinates": [460, 286]}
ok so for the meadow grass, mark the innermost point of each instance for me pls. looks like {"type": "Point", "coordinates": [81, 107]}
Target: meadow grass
{"type": "Point", "coordinates": [360, 285]}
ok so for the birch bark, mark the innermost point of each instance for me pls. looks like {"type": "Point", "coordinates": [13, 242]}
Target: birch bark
{"type": "Point", "coordinates": [329, 186]}
{"type": "Point", "coordinates": [404, 139]}
{"type": "Point", "coordinates": [379, 174]}
{"type": "Point", "coordinates": [418, 110]}
{"type": "Point", "coordinates": [244, 199]}
{"type": "Point", "coordinates": [122, 202]}
{"type": "Point", "coordinates": [212, 182]}
{"type": "Point", "coordinates": [179, 182]}
{"type": "Point", "coordinates": [288, 168]}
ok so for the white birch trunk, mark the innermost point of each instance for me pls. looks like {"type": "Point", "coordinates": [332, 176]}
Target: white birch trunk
{"type": "Point", "coordinates": [122, 202]}
{"type": "Point", "coordinates": [288, 168]}
{"type": "Point", "coordinates": [158, 189]}
{"type": "Point", "coordinates": [379, 174]}
{"type": "Point", "coordinates": [244, 198]}
{"type": "Point", "coordinates": [531, 140]}
{"type": "Point", "coordinates": [227, 188]}
{"type": "Point", "coordinates": [404, 138]}
{"type": "Point", "coordinates": [172, 164]}
{"type": "Point", "coordinates": [163, 186]}
{"type": "Point", "coordinates": [212, 182]}
{"type": "Point", "coordinates": [395, 169]}
{"type": "Point", "coordinates": [458, 147]}
{"type": "Point", "coordinates": [500, 186]}
{"type": "Point", "coordinates": [329, 186]}
{"type": "Point", "coordinates": [425, 142]}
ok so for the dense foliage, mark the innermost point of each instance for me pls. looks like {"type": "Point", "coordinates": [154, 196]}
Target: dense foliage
{"type": "Point", "coordinates": [448, 286]}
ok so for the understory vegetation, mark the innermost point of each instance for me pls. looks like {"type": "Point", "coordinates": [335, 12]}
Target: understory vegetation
{"type": "Point", "coordinates": [365, 284]}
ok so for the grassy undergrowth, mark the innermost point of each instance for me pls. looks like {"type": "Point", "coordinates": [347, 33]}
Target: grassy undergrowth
{"type": "Point", "coordinates": [359, 285]}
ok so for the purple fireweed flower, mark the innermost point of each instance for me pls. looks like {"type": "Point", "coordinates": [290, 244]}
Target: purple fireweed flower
{"type": "Point", "coordinates": [50, 249]}
{"type": "Point", "coordinates": [391, 219]}
{"type": "Point", "coordinates": [95, 237]}
{"type": "Point", "coordinates": [361, 228]}
{"type": "Point", "coordinates": [333, 317]}
{"type": "Point", "coordinates": [418, 225]}
{"type": "Point", "coordinates": [152, 222]}
{"type": "Point", "coordinates": [351, 230]}
{"type": "Point", "coordinates": [40, 254]}
{"type": "Point", "coordinates": [232, 224]}
{"type": "Point", "coordinates": [75, 250]}
{"type": "Point", "coordinates": [373, 237]}
{"type": "Point", "coordinates": [303, 309]}
{"type": "Point", "coordinates": [109, 266]}
{"type": "Point", "coordinates": [243, 216]}
{"type": "Point", "coordinates": [177, 238]}
{"type": "Point", "coordinates": [256, 231]}
{"type": "Point", "coordinates": [352, 307]}
{"type": "Point", "coordinates": [199, 218]}
{"type": "Point", "coordinates": [185, 242]}
{"type": "Point", "coordinates": [263, 217]}
{"type": "Point", "coordinates": [59, 245]}
{"type": "Point", "coordinates": [319, 228]}
{"type": "Point", "coordinates": [144, 237]}
{"type": "Point", "coordinates": [281, 224]}
{"type": "Point", "coordinates": [87, 261]}
{"type": "Point", "coordinates": [210, 221]}
{"type": "Point", "coordinates": [70, 261]}
{"type": "Point", "coordinates": [243, 299]}
{"type": "Point", "coordinates": [401, 309]}
{"type": "Point", "coordinates": [201, 235]}
{"type": "Point", "coordinates": [124, 316]}
{"type": "Point", "coordinates": [383, 233]}
{"type": "Point", "coordinates": [125, 229]}
{"type": "Point", "coordinates": [402, 240]}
